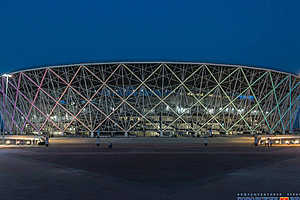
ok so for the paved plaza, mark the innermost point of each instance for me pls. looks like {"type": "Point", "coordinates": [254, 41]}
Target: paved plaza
{"type": "Point", "coordinates": [147, 168]}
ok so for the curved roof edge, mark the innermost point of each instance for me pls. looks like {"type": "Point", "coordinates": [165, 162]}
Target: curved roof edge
{"type": "Point", "coordinates": [148, 62]}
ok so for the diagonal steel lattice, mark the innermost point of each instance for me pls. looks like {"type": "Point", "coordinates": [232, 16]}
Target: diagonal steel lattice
{"type": "Point", "coordinates": [146, 98]}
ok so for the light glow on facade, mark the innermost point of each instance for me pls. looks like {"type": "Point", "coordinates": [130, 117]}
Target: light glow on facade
{"type": "Point", "coordinates": [144, 98]}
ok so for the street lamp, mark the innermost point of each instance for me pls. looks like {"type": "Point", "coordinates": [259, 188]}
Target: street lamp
{"type": "Point", "coordinates": [6, 76]}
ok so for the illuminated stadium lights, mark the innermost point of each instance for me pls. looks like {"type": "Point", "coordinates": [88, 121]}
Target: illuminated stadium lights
{"type": "Point", "coordinates": [148, 98]}
{"type": "Point", "coordinates": [167, 108]}
{"type": "Point", "coordinates": [240, 110]}
{"type": "Point", "coordinates": [181, 110]}
{"type": "Point", "coordinates": [254, 112]}
{"type": "Point", "coordinates": [211, 110]}
{"type": "Point", "coordinates": [7, 75]}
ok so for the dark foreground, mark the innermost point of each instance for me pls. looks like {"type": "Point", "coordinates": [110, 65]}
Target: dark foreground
{"type": "Point", "coordinates": [146, 171]}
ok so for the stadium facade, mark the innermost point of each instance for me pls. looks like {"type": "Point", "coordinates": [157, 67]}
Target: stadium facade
{"type": "Point", "coordinates": [149, 98]}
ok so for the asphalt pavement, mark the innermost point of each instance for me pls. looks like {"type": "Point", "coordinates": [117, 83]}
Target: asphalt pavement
{"type": "Point", "coordinates": [142, 169]}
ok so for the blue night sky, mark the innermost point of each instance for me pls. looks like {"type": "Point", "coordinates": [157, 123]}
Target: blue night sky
{"type": "Point", "coordinates": [263, 33]}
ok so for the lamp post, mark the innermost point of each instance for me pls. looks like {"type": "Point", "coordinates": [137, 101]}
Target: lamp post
{"type": "Point", "coordinates": [6, 88]}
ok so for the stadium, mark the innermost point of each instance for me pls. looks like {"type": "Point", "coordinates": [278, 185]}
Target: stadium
{"type": "Point", "coordinates": [149, 99]}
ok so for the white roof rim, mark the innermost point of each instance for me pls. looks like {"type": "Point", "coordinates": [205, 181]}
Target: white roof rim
{"type": "Point", "coordinates": [153, 62]}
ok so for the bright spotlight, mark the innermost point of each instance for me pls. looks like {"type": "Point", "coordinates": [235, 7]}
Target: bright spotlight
{"type": "Point", "coordinates": [7, 75]}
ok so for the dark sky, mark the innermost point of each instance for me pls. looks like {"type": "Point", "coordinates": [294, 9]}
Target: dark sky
{"type": "Point", "coordinates": [263, 33]}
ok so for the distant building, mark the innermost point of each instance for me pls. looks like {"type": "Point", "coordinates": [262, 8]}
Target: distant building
{"type": "Point", "coordinates": [147, 99]}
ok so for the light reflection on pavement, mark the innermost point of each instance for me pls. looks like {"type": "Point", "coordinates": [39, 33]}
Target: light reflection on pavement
{"type": "Point", "coordinates": [141, 170]}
